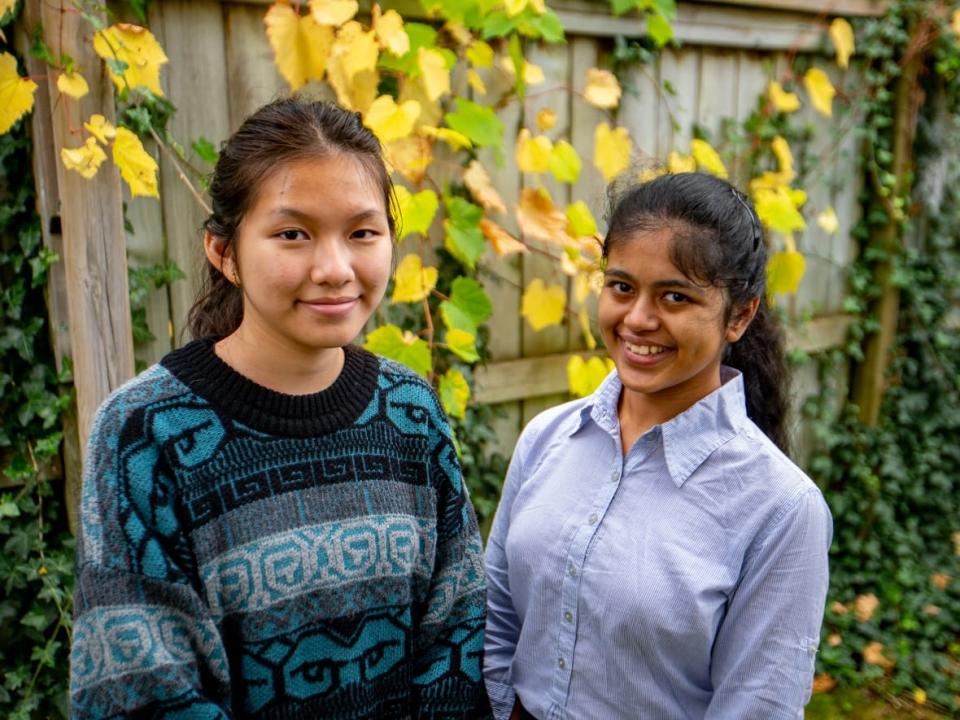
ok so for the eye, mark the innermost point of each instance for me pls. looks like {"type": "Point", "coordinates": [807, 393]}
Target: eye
{"type": "Point", "coordinates": [619, 287]}
{"type": "Point", "coordinates": [291, 234]}
{"type": "Point", "coordinates": [675, 297]}
{"type": "Point", "coordinates": [365, 234]}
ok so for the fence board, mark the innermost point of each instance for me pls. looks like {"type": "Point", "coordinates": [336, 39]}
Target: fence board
{"type": "Point", "coordinates": [678, 112]}
{"type": "Point", "coordinates": [252, 78]}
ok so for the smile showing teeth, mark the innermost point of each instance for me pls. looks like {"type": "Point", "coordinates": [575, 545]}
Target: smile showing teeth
{"type": "Point", "coordinates": [645, 349]}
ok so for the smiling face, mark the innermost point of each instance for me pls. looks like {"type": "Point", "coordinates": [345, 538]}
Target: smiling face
{"type": "Point", "coordinates": [664, 332]}
{"type": "Point", "coordinates": [312, 256]}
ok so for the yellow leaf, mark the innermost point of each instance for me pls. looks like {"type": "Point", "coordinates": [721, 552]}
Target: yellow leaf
{"type": "Point", "coordinates": [409, 157]}
{"type": "Point", "coordinates": [955, 22]}
{"type": "Point", "coordinates": [583, 317]}
{"type": "Point", "coordinates": [678, 163]}
{"type": "Point", "coordinates": [503, 242]}
{"type": "Point", "coordinates": [138, 49]}
{"type": "Point", "coordinates": [776, 209]}
{"type": "Point", "coordinates": [823, 683]}
{"type": "Point", "coordinates": [532, 74]}
{"type": "Point", "coordinates": [476, 82]}
{"type": "Point", "coordinates": [533, 153]}
{"type": "Point", "coordinates": [6, 6]}
{"type": "Point", "coordinates": [100, 128]}
{"type": "Point", "coordinates": [546, 119]}
{"type": "Point", "coordinates": [940, 580]}
{"type": "Point", "coordinates": [454, 389]}
{"type": "Point", "coordinates": [480, 54]}
{"type": "Point", "coordinates": [828, 221]}
{"type": "Point", "coordinates": [820, 90]}
{"type": "Point", "coordinates": [565, 163]}
{"type": "Point", "coordinates": [72, 84]}
{"type": "Point", "coordinates": [416, 211]}
{"type": "Point", "coordinates": [707, 158]}
{"type": "Point", "coordinates": [865, 605]}
{"type": "Point", "coordinates": [873, 655]}
{"type": "Point", "coordinates": [16, 93]}
{"type": "Point", "coordinates": [434, 72]}
{"type": "Point", "coordinates": [834, 639]}
{"type": "Point", "coordinates": [478, 182]}
{"type": "Point", "coordinates": [781, 151]}
{"type": "Point", "coordinates": [355, 50]}
{"type": "Point", "coordinates": [612, 149]}
{"type": "Point", "coordinates": [603, 90]}
{"type": "Point", "coordinates": [783, 101]}
{"type": "Point", "coordinates": [390, 121]}
{"type": "Point", "coordinates": [585, 376]}
{"type": "Point", "coordinates": [459, 32]}
{"type": "Point", "coordinates": [785, 271]}
{"type": "Point", "coordinates": [333, 12]}
{"type": "Point", "coordinates": [300, 45]}
{"type": "Point", "coordinates": [651, 173]}
{"type": "Point", "coordinates": [430, 111]}
{"type": "Point", "coordinates": [412, 281]}
{"type": "Point", "coordinates": [580, 220]}
{"type": "Point", "coordinates": [85, 159]}
{"type": "Point", "coordinates": [136, 166]}
{"type": "Point", "coordinates": [842, 35]}
{"type": "Point", "coordinates": [456, 140]}
{"type": "Point", "coordinates": [390, 32]}
{"type": "Point", "coordinates": [920, 696]}
{"type": "Point", "coordinates": [514, 7]}
{"type": "Point", "coordinates": [539, 218]}
{"type": "Point", "coordinates": [543, 306]}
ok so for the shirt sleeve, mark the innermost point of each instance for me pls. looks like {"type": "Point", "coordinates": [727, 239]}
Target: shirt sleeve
{"type": "Point", "coordinates": [448, 642]}
{"type": "Point", "coordinates": [144, 642]}
{"type": "Point", "coordinates": [763, 658]}
{"type": "Point", "coordinates": [503, 625]}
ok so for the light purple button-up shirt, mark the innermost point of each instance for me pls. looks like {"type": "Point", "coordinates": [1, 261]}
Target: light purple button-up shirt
{"type": "Point", "coordinates": [683, 580]}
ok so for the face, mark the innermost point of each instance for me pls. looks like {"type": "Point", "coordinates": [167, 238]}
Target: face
{"type": "Point", "coordinates": [664, 332]}
{"type": "Point", "coordinates": [312, 255]}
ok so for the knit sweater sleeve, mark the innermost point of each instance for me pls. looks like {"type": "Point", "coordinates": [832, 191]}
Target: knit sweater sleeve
{"type": "Point", "coordinates": [448, 642]}
{"type": "Point", "coordinates": [144, 642]}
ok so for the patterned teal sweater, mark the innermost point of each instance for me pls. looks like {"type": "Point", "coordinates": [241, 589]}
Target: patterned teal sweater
{"type": "Point", "coordinates": [245, 553]}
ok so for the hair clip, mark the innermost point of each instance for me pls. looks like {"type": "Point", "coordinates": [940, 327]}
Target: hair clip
{"type": "Point", "coordinates": [754, 220]}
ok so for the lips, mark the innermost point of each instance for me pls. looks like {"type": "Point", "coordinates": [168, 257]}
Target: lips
{"type": "Point", "coordinates": [643, 350]}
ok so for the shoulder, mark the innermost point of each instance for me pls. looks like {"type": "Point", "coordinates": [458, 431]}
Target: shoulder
{"type": "Point", "coordinates": [404, 391]}
{"type": "Point", "coordinates": [549, 426]}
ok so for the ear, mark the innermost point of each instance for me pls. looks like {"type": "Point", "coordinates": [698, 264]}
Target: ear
{"type": "Point", "coordinates": [219, 254]}
{"type": "Point", "coordinates": [741, 319]}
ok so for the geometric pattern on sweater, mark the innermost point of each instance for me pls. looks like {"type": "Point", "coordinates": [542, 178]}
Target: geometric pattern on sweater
{"type": "Point", "coordinates": [245, 553]}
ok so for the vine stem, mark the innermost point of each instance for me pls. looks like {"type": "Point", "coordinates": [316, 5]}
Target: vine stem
{"type": "Point", "coordinates": [183, 177]}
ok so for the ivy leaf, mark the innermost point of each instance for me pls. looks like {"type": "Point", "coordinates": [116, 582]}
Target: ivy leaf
{"type": "Point", "coordinates": [478, 183]}
{"type": "Point", "coordinates": [503, 242]}
{"type": "Point", "coordinates": [784, 272]}
{"type": "Point", "coordinates": [477, 122]}
{"type": "Point", "coordinates": [390, 121]}
{"type": "Point", "coordinates": [680, 163]}
{"type": "Point", "coordinates": [565, 162]}
{"type": "Point", "coordinates": [842, 36]}
{"type": "Point", "coordinates": [659, 29]}
{"type": "Point", "coordinates": [412, 281]}
{"type": "Point", "coordinates": [469, 295]}
{"type": "Point", "coordinates": [580, 220]}
{"type": "Point", "coordinates": [333, 12]}
{"type": "Point", "coordinates": [539, 218]}
{"type": "Point", "coordinates": [416, 211]}
{"type": "Point", "coordinates": [9, 507]}
{"type": "Point", "coordinates": [612, 149]}
{"type": "Point", "coordinates": [542, 305]}
{"type": "Point", "coordinates": [454, 393]}
{"type": "Point", "coordinates": [456, 318]}
{"type": "Point", "coordinates": [603, 89]}
{"type": "Point", "coordinates": [136, 166]}
{"type": "Point", "coordinates": [463, 345]}
{"type": "Point", "coordinates": [777, 209]}
{"type": "Point", "coordinates": [783, 101]}
{"type": "Point", "coordinates": [72, 84]}
{"type": "Point", "coordinates": [16, 93]}
{"type": "Point", "coordinates": [205, 150]}
{"type": "Point", "coordinates": [466, 244]}
{"type": "Point", "coordinates": [707, 158]}
{"type": "Point", "coordinates": [434, 72]}
{"type": "Point", "coordinates": [404, 347]}
{"type": "Point", "coordinates": [390, 32]}
{"type": "Point", "coordinates": [102, 129]}
{"type": "Point", "coordinates": [820, 90]}
{"type": "Point", "coordinates": [419, 36]}
{"type": "Point", "coordinates": [85, 159]}
{"type": "Point", "coordinates": [300, 45]}
{"type": "Point", "coordinates": [585, 376]}
{"type": "Point", "coordinates": [456, 141]}
{"type": "Point", "coordinates": [137, 50]}
{"type": "Point", "coordinates": [480, 54]}
{"type": "Point", "coordinates": [548, 26]}
{"type": "Point", "coordinates": [533, 153]}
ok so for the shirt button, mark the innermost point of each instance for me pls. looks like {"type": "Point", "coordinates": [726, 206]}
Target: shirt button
{"type": "Point", "coordinates": [614, 475]}
{"type": "Point", "coordinates": [561, 663]}
{"type": "Point", "coordinates": [572, 571]}
{"type": "Point", "coordinates": [568, 616]}
{"type": "Point", "coordinates": [593, 519]}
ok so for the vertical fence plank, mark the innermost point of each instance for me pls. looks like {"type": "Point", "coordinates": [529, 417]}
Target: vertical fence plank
{"type": "Point", "coordinates": [92, 220]}
{"type": "Point", "coordinates": [717, 100]}
{"type": "Point", "coordinates": [252, 78]}
{"type": "Point", "coordinates": [640, 112]}
{"type": "Point", "coordinates": [678, 111]}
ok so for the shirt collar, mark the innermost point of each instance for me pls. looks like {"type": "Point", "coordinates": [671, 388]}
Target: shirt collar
{"type": "Point", "coordinates": [690, 437]}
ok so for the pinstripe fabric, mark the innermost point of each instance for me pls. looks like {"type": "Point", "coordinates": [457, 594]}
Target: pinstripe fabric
{"type": "Point", "coordinates": [685, 580]}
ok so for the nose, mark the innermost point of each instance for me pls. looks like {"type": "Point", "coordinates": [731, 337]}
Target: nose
{"type": "Point", "coordinates": [642, 315]}
{"type": "Point", "coordinates": [332, 263]}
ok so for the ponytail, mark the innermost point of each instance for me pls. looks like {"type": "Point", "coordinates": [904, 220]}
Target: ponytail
{"type": "Point", "coordinates": [759, 355]}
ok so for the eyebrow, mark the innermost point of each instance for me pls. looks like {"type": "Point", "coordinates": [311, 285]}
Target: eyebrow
{"type": "Point", "coordinates": [658, 284]}
{"type": "Point", "coordinates": [307, 217]}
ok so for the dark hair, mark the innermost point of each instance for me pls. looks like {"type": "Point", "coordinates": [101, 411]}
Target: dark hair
{"type": "Point", "coordinates": [718, 240]}
{"type": "Point", "coordinates": [283, 131]}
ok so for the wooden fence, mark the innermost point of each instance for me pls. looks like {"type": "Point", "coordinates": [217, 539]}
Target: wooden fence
{"type": "Point", "coordinates": [221, 69]}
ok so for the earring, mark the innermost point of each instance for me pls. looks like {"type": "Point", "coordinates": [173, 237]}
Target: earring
{"type": "Point", "coordinates": [236, 278]}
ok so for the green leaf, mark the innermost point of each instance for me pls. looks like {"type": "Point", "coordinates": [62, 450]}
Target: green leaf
{"type": "Point", "coordinates": [548, 26]}
{"type": "Point", "coordinates": [659, 29]}
{"type": "Point", "coordinates": [462, 212]}
{"type": "Point", "coordinates": [9, 507]}
{"type": "Point", "coordinates": [454, 393]}
{"type": "Point", "coordinates": [205, 150]}
{"type": "Point", "coordinates": [565, 162]}
{"type": "Point", "coordinates": [468, 295]}
{"type": "Point", "coordinates": [466, 244]}
{"type": "Point", "coordinates": [416, 211]}
{"type": "Point", "coordinates": [667, 8]}
{"type": "Point", "coordinates": [463, 345]}
{"type": "Point", "coordinates": [420, 36]}
{"type": "Point", "coordinates": [404, 347]}
{"type": "Point", "coordinates": [581, 219]}
{"type": "Point", "coordinates": [621, 6]}
{"type": "Point", "coordinates": [456, 318]}
{"type": "Point", "coordinates": [498, 24]}
{"type": "Point", "coordinates": [515, 50]}
{"type": "Point", "coordinates": [477, 122]}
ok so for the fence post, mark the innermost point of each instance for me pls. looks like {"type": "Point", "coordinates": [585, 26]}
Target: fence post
{"type": "Point", "coordinates": [91, 218]}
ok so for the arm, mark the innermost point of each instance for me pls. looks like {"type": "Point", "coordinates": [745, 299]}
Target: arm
{"type": "Point", "coordinates": [503, 625]}
{"type": "Point", "coordinates": [448, 641]}
{"type": "Point", "coordinates": [763, 657]}
{"type": "Point", "coordinates": [144, 643]}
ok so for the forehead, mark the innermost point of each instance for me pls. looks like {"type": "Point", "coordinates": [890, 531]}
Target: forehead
{"type": "Point", "coordinates": [644, 251]}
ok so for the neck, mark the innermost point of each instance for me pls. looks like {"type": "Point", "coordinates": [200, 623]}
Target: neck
{"type": "Point", "coordinates": [279, 365]}
{"type": "Point", "coordinates": [638, 412]}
